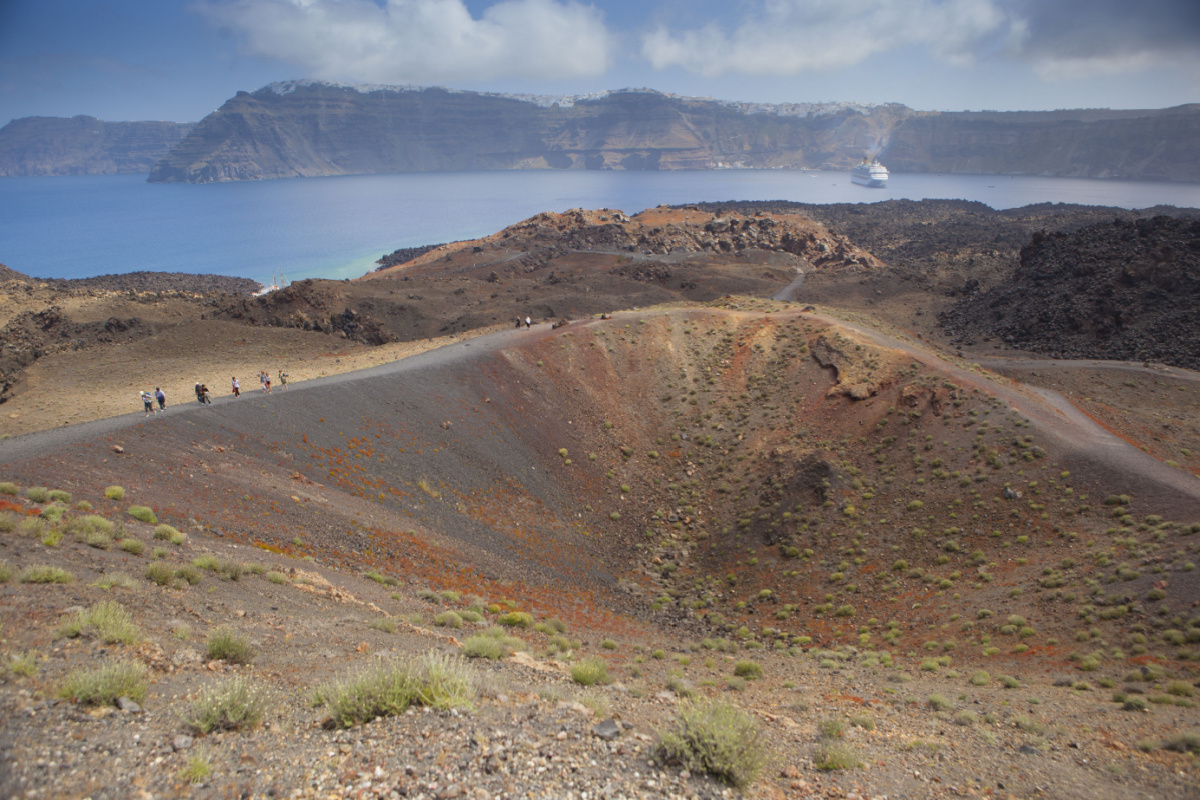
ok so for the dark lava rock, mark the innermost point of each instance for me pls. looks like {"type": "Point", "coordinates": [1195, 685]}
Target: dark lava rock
{"type": "Point", "coordinates": [1124, 290]}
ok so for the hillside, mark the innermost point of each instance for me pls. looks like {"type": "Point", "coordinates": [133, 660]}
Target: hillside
{"type": "Point", "coordinates": [84, 146]}
{"type": "Point", "coordinates": [308, 128]}
{"type": "Point", "coordinates": [913, 578]}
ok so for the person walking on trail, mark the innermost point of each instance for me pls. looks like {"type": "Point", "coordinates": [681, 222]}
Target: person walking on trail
{"type": "Point", "coordinates": [518, 323]}
{"type": "Point", "coordinates": [267, 382]}
{"type": "Point", "coordinates": [204, 398]}
{"type": "Point", "coordinates": [282, 379]}
{"type": "Point", "coordinates": [528, 322]}
{"type": "Point", "coordinates": [148, 402]}
{"type": "Point", "coordinates": [160, 397]}
{"type": "Point", "coordinates": [237, 389]}
{"type": "Point", "coordinates": [199, 394]}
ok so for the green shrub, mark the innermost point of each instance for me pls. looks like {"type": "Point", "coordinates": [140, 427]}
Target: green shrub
{"type": "Point", "coordinates": [44, 574]}
{"type": "Point", "coordinates": [748, 669]}
{"type": "Point", "coordinates": [938, 703]}
{"type": "Point", "coordinates": [8, 487]}
{"type": "Point", "coordinates": [233, 705]}
{"type": "Point", "coordinates": [862, 721]}
{"type": "Point", "coordinates": [188, 574]}
{"type": "Point", "coordinates": [160, 573]}
{"type": "Point", "coordinates": [107, 621]}
{"type": "Point", "coordinates": [277, 577]}
{"type": "Point", "coordinates": [23, 664]}
{"type": "Point", "coordinates": [434, 679]}
{"type": "Point", "coordinates": [230, 570]}
{"type": "Point", "coordinates": [6, 572]}
{"type": "Point", "coordinates": [836, 756]}
{"type": "Point", "coordinates": [494, 643]}
{"type": "Point", "coordinates": [114, 493]}
{"type": "Point", "coordinates": [589, 671]}
{"type": "Point", "coordinates": [225, 645]}
{"type": "Point", "coordinates": [448, 619]}
{"type": "Point", "coordinates": [206, 561]}
{"type": "Point", "coordinates": [143, 514]}
{"type": "Point", "coordinates": [516, 619]}
{"type": "Point", "coordinates": [1134, 703]}
{"type": "Point", "coordinates": [38, 494]}
{"type": "Point", "coordinates": [103, 685]}
{"type": "Point", "coordinates": [608, 644]}
{"type": "Point", "coordinates": [197, 770]}
{"type": "Point", "coordinates": [115, 579]}
{"type": "Point", "coordinates": [1187, 742]}
{"type": "Point", "coordinates": [132, 546]}
{"type": "Point", "coordinates": [59, 496]}
{"type": "Point", "coordinates": [716, 738]}
{"type": "Point", "coordinates": [980, 678]}
{"type": "Point", "coordinates": [385, 624]}
{"type": "Point", "coordinates": [168, 533]}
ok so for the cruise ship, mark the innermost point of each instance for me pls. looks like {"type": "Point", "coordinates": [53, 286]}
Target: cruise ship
{"type": "Point", "coordinates": [870, 173]}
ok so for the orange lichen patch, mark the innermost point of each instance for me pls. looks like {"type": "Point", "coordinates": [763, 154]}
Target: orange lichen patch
{"type": "Point", "coordinates": [6, 505]}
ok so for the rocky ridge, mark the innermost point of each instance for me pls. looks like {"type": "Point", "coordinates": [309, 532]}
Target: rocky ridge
{"type": "Point", "coordinates": [84, 145]}
{"type": "Point", "coordinates": [1123, 290]}
{"type": "Point", "coordinates": [270, 134]}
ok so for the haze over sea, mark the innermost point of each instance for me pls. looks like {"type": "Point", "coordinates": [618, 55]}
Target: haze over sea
{"type": "Point", "coordinates": [77, 227]}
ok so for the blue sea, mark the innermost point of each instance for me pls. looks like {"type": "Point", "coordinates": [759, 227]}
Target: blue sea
{"type": "Point", "coordinates": [76, 227]}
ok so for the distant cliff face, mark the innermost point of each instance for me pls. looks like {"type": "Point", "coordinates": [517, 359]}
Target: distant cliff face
{"type": "Point", "coordinates": [1143, 145]}
{"type": "Point", "coordinates": [85, 146]}
{"type": "Point", "coordinates": [323, 129]}
{"type": "Point", "coordinates": [310, 129]}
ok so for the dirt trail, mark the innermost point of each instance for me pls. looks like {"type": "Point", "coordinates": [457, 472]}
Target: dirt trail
{"type": "Point", "coordinates": [1091, 446]}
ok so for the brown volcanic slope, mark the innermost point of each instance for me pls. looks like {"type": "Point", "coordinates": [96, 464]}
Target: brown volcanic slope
{"type": "Point", "coordinates": [851, 512]}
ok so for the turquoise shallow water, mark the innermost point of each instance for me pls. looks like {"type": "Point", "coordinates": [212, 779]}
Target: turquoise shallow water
{"type": "Point", "coordinates": [77, 227]}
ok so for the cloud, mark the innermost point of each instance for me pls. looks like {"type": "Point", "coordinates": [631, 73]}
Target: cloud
{"type": "Point", "coordinates": [1060, 39]}
{"type": "Point", "coordinates": [788, 37]}
{"type": "Point", "coordinates": [1082, 38]}
{"type": "Point", "coordinates": [421, 41]}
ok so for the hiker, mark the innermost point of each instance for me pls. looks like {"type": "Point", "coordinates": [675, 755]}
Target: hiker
{"type": "Point", "coordinates": [160, 397]}
{"type": "Point", "coordinates": [237, 389]}
{"type": "Point", "coordinates": [199, 394]}
{"type": "Point", "coordinates": [148, 402]}
{"type": "Point", "coordinates": [204, 398]}
{"type": "Point", "coordinates": [518, 323]}
{"type": "Point", "coordinates": [267, 382]}
{"type": "Point", "coordinates": [282, 379]}
{"type": "Point", "coordinates": [528, 322]}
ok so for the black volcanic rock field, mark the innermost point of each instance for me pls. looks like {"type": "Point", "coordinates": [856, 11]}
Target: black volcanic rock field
{"type": "Point", "coordinates": [891, 571]}
{"type": "Point", "coordinates": [1122, 290]}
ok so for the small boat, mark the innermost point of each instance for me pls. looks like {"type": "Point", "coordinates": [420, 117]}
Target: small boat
{"type": "Point", "coordinates": [870, 173]}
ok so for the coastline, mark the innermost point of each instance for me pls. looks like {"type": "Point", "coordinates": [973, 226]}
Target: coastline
{"type": "Point", "coordinates": [337, 227]}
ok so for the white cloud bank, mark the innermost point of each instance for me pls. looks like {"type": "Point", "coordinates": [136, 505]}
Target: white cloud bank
{"type": "Point", "coordinates": [1064, 39]}
{"type": "Point", "coordinates": [788, 37]}
{"type": "Point", "coordinates": [421, 41]}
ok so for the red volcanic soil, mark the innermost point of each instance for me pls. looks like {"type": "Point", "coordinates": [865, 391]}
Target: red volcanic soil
{"type": "Point", "coordinates": [744, 481]}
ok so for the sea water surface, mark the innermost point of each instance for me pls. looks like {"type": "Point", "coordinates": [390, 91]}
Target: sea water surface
{"type": "Point", "coordinates": [75, 227]}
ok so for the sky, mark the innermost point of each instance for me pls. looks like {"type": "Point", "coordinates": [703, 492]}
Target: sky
{"type": "Point", "coordinates": [181, 59]}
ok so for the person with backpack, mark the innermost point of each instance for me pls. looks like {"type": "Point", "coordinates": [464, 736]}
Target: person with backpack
{"type": "Point", "coordinates": [161, 397]}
